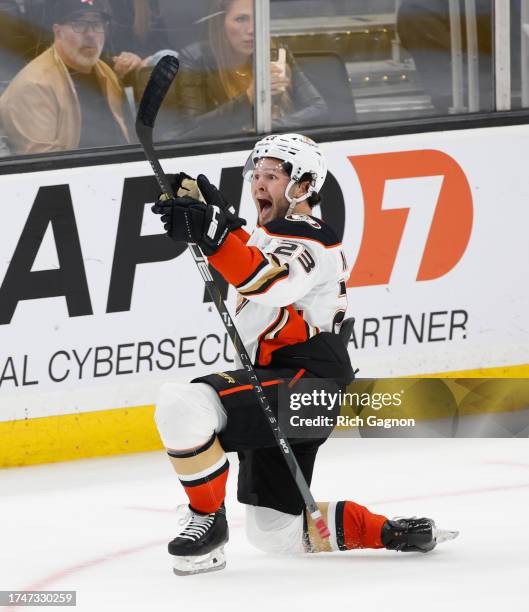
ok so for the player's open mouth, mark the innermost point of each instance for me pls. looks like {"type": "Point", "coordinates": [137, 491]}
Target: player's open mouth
{"type": "Point", "coordinates": [265, 206]}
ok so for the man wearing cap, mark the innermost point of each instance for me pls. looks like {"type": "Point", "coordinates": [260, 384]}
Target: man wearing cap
{"type": "Point", "coordinates": [67, 97]}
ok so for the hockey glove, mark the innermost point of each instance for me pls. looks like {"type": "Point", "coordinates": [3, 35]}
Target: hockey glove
{"type": "Point", "coordinates": [186, 220]}
{"type": "Point", "coordinates": [184, 185]}
{"type": "Point", "coordinates": [213, 197]}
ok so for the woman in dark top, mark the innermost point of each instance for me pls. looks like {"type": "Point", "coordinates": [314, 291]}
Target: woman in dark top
{"type": "Point", "coordinates": [214, 90]}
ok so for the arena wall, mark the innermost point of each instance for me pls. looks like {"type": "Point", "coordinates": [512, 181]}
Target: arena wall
{"type": "Point", "coordinates": [97, 308]}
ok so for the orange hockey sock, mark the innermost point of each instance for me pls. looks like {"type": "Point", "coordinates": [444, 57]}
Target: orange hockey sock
{"type": "Point", "coordinates": [203, 473]}
{"type": "Point", "coordinates": [354, 526]}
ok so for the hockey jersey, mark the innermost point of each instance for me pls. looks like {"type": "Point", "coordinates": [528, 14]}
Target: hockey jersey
{"type": "Point", "coordinates": [290, 276]}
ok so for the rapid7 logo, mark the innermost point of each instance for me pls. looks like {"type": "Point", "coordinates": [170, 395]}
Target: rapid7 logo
{"type": "Point", "coordinates": [418, 217]}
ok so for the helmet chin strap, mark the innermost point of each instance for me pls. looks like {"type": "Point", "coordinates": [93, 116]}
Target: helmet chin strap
{"type": "Point", "coordinates": [295, 201]}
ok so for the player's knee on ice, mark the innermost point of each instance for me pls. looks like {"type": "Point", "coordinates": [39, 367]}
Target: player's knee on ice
{"type": "Point", "coordinates": [274, 532]}
{"type": "Point", "coordinates": [187, 414]}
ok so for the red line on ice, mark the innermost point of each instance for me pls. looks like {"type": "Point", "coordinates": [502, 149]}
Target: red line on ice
{"type": "Point", "coordinates": [44, 583]}
{"type": "Point", "coordinates": [56, 576]}
{"type": "Point", "coordinates": [451, 494]}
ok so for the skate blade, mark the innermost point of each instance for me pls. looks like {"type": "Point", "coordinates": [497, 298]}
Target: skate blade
{"type": "Point", "coordinates": [444, 535]}
{"type": "Point", "coordinates": [212, 562]}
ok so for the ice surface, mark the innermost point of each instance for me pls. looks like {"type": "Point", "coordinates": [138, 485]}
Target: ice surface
{"type": "Point", "coordinates": [100, 527]}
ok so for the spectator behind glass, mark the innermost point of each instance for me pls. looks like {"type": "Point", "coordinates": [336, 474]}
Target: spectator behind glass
{"type": "Point", "coordinates": [424, 30]}
{"type": "Point", "coordinates": [214, 89]}
{"type": "Point", "coordinates": [137, 33]}
{"type": "Point", "coordinates": [14, 45]}
{"type": "Point", "coordinates": [67, 98]}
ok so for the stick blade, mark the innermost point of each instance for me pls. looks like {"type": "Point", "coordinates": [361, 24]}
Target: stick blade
{"type": "Point", "coordinates": [159, 82]}
{"type": "Point", "coordinates": [444, 535]}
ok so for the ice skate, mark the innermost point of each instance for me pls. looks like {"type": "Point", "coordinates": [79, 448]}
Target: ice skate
{"type": "Point", "coordinates": [199, 547]}
{"type": "Point", "coordinates": [414, 534]}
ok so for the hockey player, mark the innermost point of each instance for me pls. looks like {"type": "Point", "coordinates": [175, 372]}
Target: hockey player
{"type": "Point", "coordinates": [290, 277]}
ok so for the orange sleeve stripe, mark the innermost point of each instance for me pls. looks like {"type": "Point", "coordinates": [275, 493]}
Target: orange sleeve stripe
{"type": "Point", "coordinates": [236, 261]}
{"type": "Point", "coordinates": [242, 235]}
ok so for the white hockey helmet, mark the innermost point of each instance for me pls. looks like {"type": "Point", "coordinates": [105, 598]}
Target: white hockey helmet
{"type": "Point", "coordinates": [304, 155]}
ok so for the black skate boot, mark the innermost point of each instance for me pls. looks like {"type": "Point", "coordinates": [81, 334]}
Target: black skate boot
{"type": "Point", "coordinates": [199, 547]}
{"type": "Point", "coordinates": [414, 534]}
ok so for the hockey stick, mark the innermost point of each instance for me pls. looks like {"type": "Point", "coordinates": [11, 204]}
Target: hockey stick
{"type": "Point", "coordinates": [161, 78]}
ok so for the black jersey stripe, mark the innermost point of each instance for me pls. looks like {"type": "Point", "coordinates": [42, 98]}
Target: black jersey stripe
{"type": "Point", "coordinates": [285, 317]}
{"type": "Point", "coordinates": [267, 280]}
{"type": "Point", "coordinates": [319, 231]}
{"type": "Point", "coordinates": [276, 323]}
{"type": "Point", "coordinates": [241, 306]}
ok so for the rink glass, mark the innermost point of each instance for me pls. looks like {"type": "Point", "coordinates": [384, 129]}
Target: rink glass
{"type": "Point", "coordinates": [367, 62]}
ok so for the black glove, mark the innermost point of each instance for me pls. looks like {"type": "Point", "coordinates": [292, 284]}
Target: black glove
{"type": "Point", "coordinates": [213, 197]}
{"type": "Point", "coordinates": [184, 185]}
{"type": "Point", "coordinates": [186, 220]}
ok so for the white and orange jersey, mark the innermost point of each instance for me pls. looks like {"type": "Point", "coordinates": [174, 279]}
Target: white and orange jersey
{"type": "Point", "coordinates": [290, 276]}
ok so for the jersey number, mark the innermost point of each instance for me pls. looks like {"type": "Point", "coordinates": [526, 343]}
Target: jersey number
{"type": "Point", "coordinates": [288, 249]}
{"type": "Point", "coordinates": [307, 262]}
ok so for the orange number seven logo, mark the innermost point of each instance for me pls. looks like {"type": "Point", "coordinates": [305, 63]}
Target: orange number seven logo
{"type": "Point", "coordinates": [387, 212]}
